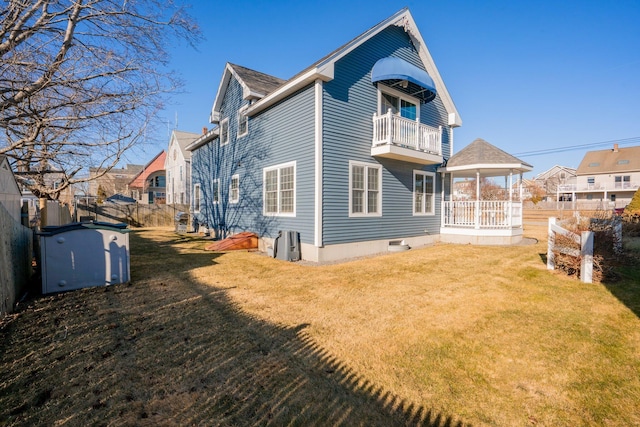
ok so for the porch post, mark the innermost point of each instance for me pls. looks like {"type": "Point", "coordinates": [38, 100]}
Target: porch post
{"type": "Point", "coordinates": [510, 203]}
{"type": "Point", "coordinates": [442, 200]}
{"type": "Point", "coordinates": [477, 216]}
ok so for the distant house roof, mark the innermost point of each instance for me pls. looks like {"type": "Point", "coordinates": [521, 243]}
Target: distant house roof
{"type": "Point", "coordinates": [489, 159]}
{"type": "Point", "coordinates": [616, 160]}
{"type": "Point", "coordinates": [184, 139]}
{"type": "Point", "coordinates": [119, 198]}
{"type": "Point", "coordinates": [555, 170]}
{"type": "Point", "coordinates": [156, 164]}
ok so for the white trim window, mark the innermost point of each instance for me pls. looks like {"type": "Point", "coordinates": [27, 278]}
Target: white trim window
{"type": "Point", "coordinates": [400, 103]}
{"type": "Point", "coordinates": [234, 189]}
{"type": "Point", "coordinates": [243, 124]}
{"type": "Point", "coordinates": [365, 189]}
{"type": "Point", "coordinates": [424, 193]}
{"type": "Point", "coordinates": [196, 198]}
{"type": "Point", "coordinates": [224, 131]}
{"type": "Point", "coordinates": [215, 191]}
{"type": "Point", "coordinates": [279, 190]}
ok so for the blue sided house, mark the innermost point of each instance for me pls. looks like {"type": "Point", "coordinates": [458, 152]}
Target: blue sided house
{"type": "Point", "coordinates": [350, 153]}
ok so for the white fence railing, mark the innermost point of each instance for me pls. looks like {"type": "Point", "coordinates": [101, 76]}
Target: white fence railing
{"type": "Point", "coordinates": [584, 240]}
{"type": "Point", "coordinates": [489, 214]}
{"type": "Point", "coordinates": [599, 186]}
{"type": "Point", "coordinates": [391, 129]}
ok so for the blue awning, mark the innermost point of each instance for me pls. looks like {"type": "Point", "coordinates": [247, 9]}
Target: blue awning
{"type": "Point", "coordinates": [404, 76]}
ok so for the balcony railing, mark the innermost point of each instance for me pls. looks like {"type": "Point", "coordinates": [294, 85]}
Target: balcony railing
{"type": "Point", "coordinates": [482, 214]}
{"type": "Point", "coordinates": [395, 130]}
{"type": "Point", "coordinates": [598, 186]}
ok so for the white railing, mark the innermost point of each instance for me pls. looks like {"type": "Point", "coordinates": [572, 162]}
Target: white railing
{"type": "Point", "coordinates": [489, 214]}
{"type": "Point", "coordinates": [598, 186]}
{"type": "Point", "coordinates": [391, 129]}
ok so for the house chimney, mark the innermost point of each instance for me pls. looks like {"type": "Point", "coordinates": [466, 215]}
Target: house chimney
{"type": "Point", "coordinates": [615, 148]}
{"type": "Point", "coordinates": [204, 130]}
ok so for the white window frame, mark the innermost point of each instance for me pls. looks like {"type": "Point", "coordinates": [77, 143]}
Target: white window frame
{"type": "Point", "coordinates": [400, 95]}
{"type": "Point", "coordinates": [234, 198]}
{"type": "Point", "coordinates": [424, 203]}
{"type": "Point", "coordinates": [279, 169]}
{"type": "Point", "coordinates": [241, 117]}
{"type": "Point", "coordinates": [215, 191]}
{"type": "Point", "coordinates": [224, 123]}
{"type": "Point", "coordinates": [365, 212]}
{"type": "Point", "coordinates": [197, 198]}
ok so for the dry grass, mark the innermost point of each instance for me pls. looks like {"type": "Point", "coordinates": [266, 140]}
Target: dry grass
{"type": "Point", "coordinates": [442, 335]}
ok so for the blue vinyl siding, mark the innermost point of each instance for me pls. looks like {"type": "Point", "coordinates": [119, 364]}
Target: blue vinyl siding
{"type": "Point", "coordinates": [283, 133]}
{"type": "Point", "coordinates": [349, 102]}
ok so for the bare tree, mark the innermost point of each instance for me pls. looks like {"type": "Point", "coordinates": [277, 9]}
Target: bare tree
{"type": "Point", "coordinates": [81, 81]}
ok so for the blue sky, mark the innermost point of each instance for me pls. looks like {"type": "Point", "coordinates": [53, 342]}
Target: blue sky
{"type": "Point", "coordinates": [525, 76]}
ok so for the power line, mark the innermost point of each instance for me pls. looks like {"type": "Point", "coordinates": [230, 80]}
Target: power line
{"type": "Point", "coordinates": [620, 142]}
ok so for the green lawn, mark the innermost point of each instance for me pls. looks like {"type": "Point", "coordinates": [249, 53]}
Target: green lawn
{"type": "Point", "coordinates": [442, 335]}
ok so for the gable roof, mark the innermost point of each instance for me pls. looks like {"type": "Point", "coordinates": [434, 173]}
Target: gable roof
{"type": "Point", "coordinates": [480, 155]}
{"type": "Point", "coordinates": [614, 160]}
{"type": "Point", "coordinates": [255, 85]}
{"type": "Point", "coordinates": [156, 164]}
{"type": "Point", "coordinates": [184, 139]}
{"type": "Point", "coordinates": [553, 171]}
{"type": "Point", "coordinates": [324, 70]}
{"type": "Point", "coordinates": [10, 176]}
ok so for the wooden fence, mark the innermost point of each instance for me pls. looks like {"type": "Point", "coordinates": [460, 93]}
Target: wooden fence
{"type": "Point", "coordinates": [584, 241]}
{"type": "Point", "coordinates": [16, 255]}
{"type": "Point", "coordinates": [134, 215]}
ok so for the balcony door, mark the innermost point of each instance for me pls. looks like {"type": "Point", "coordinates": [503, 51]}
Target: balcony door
{"type": "Point", "coordinates": [399, 103]}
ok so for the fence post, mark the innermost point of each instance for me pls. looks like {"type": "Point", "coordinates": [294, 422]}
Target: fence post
{"type": "Point", "coordinates": [586, 256]}
{"type": "Point", "coordinates": [551, 241]}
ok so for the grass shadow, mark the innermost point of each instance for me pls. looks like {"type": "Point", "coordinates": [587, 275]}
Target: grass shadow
{"type": "Point", "coordinates": [168, 350]}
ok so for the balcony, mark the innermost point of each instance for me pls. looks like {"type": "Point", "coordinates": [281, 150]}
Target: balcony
{"type": "Point", "coordinates": [399, 138]}
{"type": "Point", "coordinates": [598, 187]}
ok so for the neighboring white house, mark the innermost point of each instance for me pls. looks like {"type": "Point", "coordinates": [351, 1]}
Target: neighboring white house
{"type": "Point", "coordinates": [552, 180]}
{"type": "Point", "coordinates": [608, 178]}
{"type": "Point", "coordinates": [9, 190]}
{"type": "Point", "coordinates": [178, 167]}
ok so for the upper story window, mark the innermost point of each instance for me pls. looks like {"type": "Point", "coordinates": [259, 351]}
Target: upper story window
{"type": "Point", "coordinates": [398, 102]}
{"type": "Point", "coordinates": [423, 193]}
{"type": "Point", "coordinates": [243, 124]}
{"type": "Point", "coordinates": [594, 164]}
{"type": "Point", "coordinates": [623, 162]}
{"type": "Point", "coordinates": [180, 172]}
{"type": "Point", "coordinates": [623, 181]}
{"type": "Point", "coordinates": [365, 189]}
{"type": "Point", "coordinates": [224, 131]}
{"type": "Point", "coordinates": [279, 197]}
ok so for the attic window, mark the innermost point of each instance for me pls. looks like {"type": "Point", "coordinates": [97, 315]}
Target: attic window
{"type": "Point", "coordinates": [594, 164]}
{"type": "Point", "coordinates": [623, 162]}
{"type": "Point", "coordinates": [224, 131]}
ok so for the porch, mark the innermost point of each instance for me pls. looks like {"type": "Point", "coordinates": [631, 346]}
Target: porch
{"type": "Point", "coordinates": [484, 213]}
{"type": "Point", "coordinates": [489, 222]}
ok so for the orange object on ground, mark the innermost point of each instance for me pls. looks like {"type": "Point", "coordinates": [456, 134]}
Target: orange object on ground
{"type": "Point", "coordinates": [244, 240]}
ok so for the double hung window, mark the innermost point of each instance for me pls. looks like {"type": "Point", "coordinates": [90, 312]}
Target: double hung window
{"type": "Point", "coordinates": [279, 194]}
{"type": "Point", "coordinates": [365, 189]}
{"type": "Point", "coordinates": [423, 193]}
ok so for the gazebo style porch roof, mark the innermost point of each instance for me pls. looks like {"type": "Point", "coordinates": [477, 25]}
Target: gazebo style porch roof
{"type": "Point", "coordinates": [489, 160]}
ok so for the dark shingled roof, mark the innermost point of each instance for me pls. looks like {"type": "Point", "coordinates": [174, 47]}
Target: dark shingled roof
{"type": "Point", "coordinates": [257, 81]}
{"type": "Point", "coordinates": [480, 152]}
